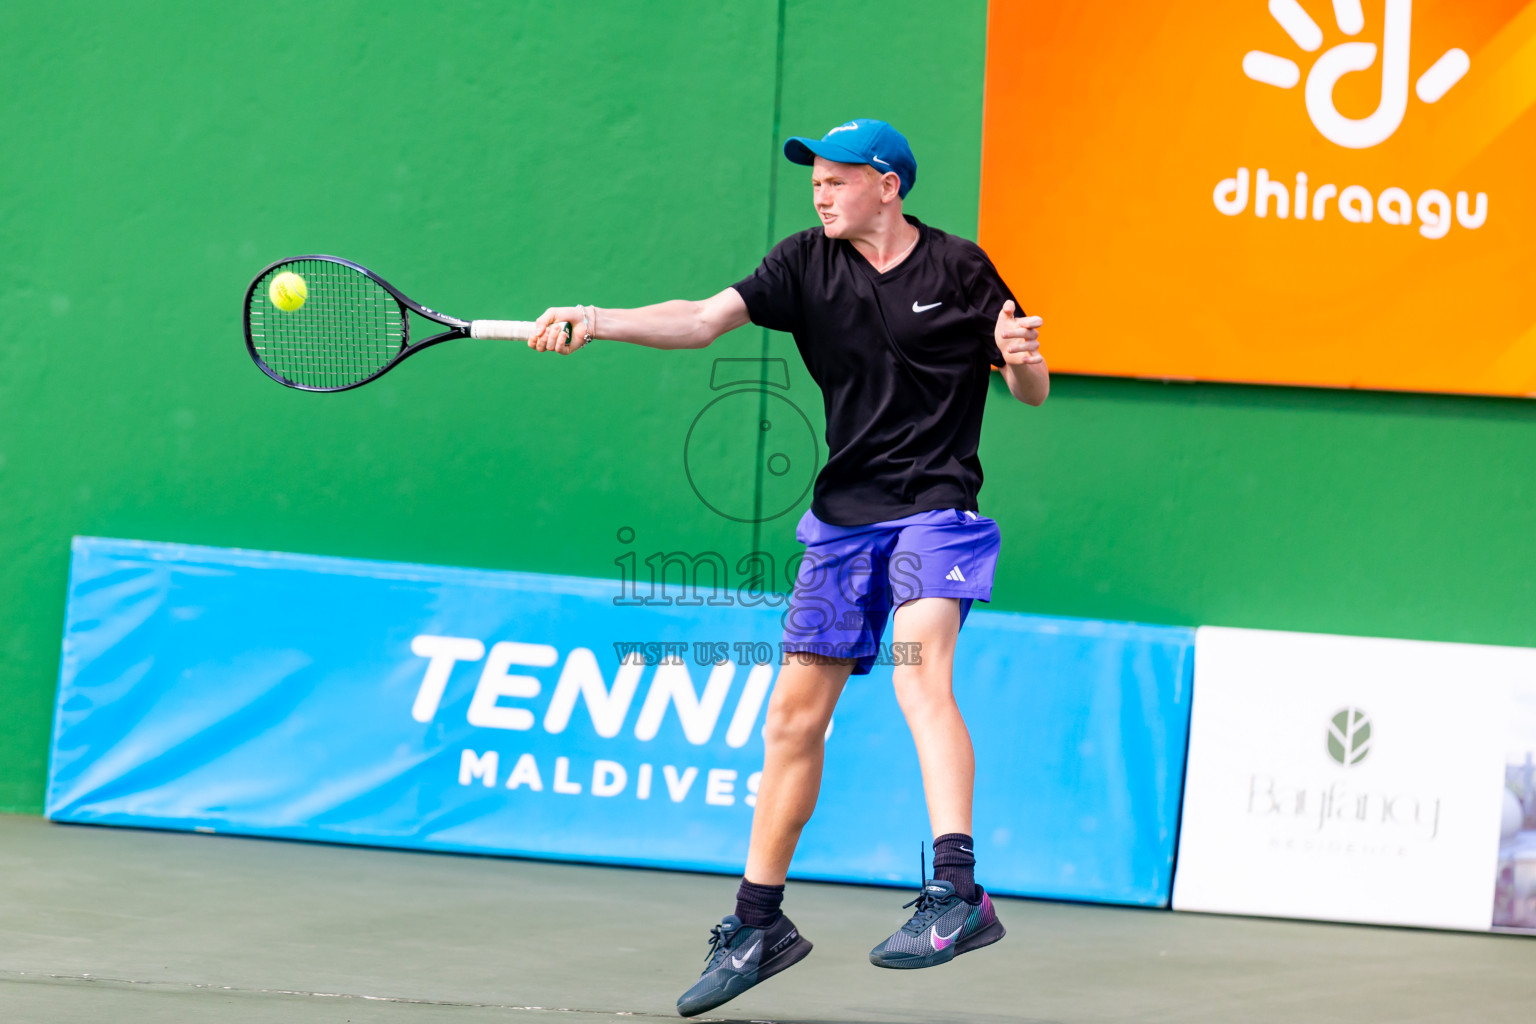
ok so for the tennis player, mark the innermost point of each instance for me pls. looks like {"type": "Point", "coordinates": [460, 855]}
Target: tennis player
{"type": "Point", "coordinates": [899, 324]}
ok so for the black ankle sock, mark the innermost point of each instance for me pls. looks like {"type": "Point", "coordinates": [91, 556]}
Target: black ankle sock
{"type": "Point", "coordinates": [758, 905]}
{"type": "Point", "coordinates": [955, 862]}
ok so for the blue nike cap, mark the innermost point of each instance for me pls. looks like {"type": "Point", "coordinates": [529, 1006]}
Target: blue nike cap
{"type": "Point", "coordinates": [860, 141]}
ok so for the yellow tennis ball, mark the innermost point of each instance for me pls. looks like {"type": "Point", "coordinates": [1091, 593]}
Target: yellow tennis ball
{"type": "Point", "coordinates": [288, 291]}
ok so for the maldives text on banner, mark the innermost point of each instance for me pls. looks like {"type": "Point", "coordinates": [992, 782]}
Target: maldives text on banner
{"type": "Point", "coordinates": [502, 712]}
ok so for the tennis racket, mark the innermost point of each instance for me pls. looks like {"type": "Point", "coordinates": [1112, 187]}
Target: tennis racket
{"type": "Point", "coordinates": [322, 323]}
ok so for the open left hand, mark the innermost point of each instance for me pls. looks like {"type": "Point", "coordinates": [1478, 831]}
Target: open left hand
{"type": "Point", "coordinates": [1018, 338]}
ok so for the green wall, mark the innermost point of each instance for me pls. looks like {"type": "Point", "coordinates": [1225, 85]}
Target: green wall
{"type": "Point", "coordinates": [495, 158]}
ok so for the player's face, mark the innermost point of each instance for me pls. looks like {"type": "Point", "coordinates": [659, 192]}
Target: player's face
{"type": "Point", "coordinates": [848, 197]}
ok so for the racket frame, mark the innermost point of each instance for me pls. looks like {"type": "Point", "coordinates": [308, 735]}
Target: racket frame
{"type": "Point", "coordinates": [456, 328]}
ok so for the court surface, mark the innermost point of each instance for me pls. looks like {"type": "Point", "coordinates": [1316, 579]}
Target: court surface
{"type": "Point", "coordinates": [104, 924]}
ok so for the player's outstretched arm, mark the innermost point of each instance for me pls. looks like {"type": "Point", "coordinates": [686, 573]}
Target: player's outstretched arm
{"type": "Point", "coordinates": [680, 323]}
{"type": "Point", "coordinates": [1018, 339]}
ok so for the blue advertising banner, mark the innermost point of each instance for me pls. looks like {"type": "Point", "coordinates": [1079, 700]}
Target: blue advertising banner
{"type": "Point", "coordinates": [577, 719]}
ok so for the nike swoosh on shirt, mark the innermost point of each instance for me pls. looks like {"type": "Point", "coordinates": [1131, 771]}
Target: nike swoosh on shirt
{"type": "Point", "coordinates": [740, 961]}
{"type": "Point", "coordinates": [942, 942]}
{"type": "Point", "coordinates": [923, 309]}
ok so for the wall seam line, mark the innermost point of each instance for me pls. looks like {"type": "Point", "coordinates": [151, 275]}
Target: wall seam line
{"type": "Point", "coordinates": [773, 202]}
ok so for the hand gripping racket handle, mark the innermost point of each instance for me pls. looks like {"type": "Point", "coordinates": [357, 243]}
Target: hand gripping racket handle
{"type": "Point", "coordinates": [507, 330]}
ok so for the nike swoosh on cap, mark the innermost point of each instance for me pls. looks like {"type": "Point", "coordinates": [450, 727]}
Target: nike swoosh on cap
{"type": "Point", "coordinates": [923, 309]}
{"type": "Point", "coordinates": [740, 961]}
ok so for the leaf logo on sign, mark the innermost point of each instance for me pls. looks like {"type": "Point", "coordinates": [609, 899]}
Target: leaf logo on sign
{"type": "Point", "coordinates": [1349, 737]}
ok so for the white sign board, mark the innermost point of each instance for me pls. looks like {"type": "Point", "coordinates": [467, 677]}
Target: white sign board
{"type": "Point", "coordinates": [1347, 778]}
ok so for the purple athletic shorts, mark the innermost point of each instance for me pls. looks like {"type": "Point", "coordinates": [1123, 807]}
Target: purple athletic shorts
{"type": "Point", "coordinates": [853, 576]}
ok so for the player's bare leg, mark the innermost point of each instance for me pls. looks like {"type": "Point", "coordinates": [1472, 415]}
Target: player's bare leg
{"type": "Point", "coordinates": [759, 941]}
{"type": "Point", "coordinates": [794, 738]}
{"type": "Point", "coordinates": [925, 691]}
{"type": "Point", "coordinates": [953, 915]}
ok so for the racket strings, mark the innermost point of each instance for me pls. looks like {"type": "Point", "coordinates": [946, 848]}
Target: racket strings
{"type": "Point", "coordinates": [347, 330]}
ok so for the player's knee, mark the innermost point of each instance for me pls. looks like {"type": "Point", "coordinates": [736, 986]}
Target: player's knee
{"type": "Point", "coordinates": [922, 688]}
{"type": "Point", "coordinates": [793, 723]}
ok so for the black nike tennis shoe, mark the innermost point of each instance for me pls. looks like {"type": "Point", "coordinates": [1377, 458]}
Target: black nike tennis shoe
{"type": "Point", "coordinates": [941, 928]}
{"type": "Point", "coordinates": [739, 957]}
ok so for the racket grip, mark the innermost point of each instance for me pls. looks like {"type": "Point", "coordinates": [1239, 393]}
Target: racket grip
{"type": "Point", "coordinates": [506, 330]}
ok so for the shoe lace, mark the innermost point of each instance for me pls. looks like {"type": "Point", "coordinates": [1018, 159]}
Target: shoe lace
{"type": "Point", "coordinates": [719, 941]}
{"type": "Point", "coordinates": [928, 905]}
{"type": "Point", "coordinates": [927, 909]}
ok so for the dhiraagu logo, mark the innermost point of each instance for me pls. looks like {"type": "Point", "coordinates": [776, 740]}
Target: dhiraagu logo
{"type": "Point", "coordinates": [1349, 736]}
{"type": "Point", "coordinates": [1393, 205]}
{"type": "Point", "coordinates": [1340, 60]}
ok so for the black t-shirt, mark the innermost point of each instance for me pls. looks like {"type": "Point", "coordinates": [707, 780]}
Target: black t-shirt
{"type": "Point", "coordinates": [902, 360]}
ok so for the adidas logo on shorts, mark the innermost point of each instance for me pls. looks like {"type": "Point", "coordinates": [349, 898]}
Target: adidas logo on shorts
{"type": "Point", "coordinates": [956, 575]}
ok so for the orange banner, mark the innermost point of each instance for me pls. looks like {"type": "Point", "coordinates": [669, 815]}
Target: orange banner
{"type": "Point", "coordinates": [1321, 192]}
